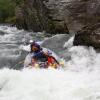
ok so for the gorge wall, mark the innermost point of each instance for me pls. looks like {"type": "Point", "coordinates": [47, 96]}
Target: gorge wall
{"type": "Point", "coordinates": [57, 16]}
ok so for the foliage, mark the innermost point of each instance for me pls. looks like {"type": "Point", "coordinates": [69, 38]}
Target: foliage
{"type": "Point", "coordinates": [7, 10]}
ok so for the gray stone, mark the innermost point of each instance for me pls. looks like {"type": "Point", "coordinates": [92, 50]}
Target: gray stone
{"type": "Point", "coordinates": [57, 16]}
{"type": "Point", "coordinates": [88, 36]}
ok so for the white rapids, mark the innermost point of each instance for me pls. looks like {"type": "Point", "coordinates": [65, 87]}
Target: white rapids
{"type": "Point", "coordinates": [79, 80]}
{"type": "Point", "coordinates": [36, 84]}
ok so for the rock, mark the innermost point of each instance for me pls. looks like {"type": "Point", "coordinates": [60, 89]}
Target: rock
{"type": "Point", "coordinates": [36, 15]}
{"type": "Point", "coordinates": [56, 42]}
{"type": "Point", "coordinates": [2, 33]}
{"type": "Point", "coordinates": [57, 16]}
{"type": "Point", "coordinates": [88, 36]}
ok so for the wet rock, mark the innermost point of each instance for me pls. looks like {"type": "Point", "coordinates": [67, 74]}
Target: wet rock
{"type": "Point", "coordinates": [56, 43]}
{"type": "Point", "coordinates": [88, 36]}
{"type": "Point", "coordinates": [2, 33]}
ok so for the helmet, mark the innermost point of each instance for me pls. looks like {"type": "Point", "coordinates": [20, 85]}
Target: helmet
{"type": "Point", "coordinates": [35, 45]}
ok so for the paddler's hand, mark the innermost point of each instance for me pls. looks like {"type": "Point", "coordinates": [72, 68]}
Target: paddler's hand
{"type": "Point", "coordinates": [61, 63]}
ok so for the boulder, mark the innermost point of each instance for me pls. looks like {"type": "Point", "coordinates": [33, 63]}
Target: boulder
{"type": "Point", "coordinates": [88, 36]}
{"type": "Point", "coordinates": [56, 42]}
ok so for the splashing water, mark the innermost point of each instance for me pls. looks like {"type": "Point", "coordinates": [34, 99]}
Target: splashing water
{"type": "Point", "coordinates": [36, 84]}
{"type": "Point", "coordinates": [79, 80]}
{"type": "Point", "coordinates": [10, 40]}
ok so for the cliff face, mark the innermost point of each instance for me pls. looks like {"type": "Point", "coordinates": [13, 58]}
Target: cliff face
{"type": "Point", "coordinates": [57, 16]}
{"type": "Point", "coordinates": [31, 15]}
{"type": "Point", "coordinates": [83, 13]}
{"type": "Point", "coordinates": [35, 15]}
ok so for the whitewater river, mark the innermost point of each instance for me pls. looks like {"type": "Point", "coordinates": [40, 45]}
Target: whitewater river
{"type": "Point", "coordinates": [10, 41]}
{"type": "Point", "coordinates": [78, 80]}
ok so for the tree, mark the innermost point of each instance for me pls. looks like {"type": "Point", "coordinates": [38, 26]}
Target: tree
{"type": "Point", "coordinates": [7, 10]}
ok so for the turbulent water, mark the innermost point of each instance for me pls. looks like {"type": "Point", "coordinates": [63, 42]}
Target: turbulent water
{"type": "Point", "coordinates": [10, 41]}
{"type": "Point", "coordinates": [78, 80]}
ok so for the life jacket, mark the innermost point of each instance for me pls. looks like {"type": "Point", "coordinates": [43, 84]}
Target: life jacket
{"type": "Point", "coordinates": [52, 62]}
{"type": "Point", "coordinates": [40, 56]}
{"type": "Point", "coordinates": [47, 59]}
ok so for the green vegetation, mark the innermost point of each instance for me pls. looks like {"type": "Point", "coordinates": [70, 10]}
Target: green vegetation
{"type": "Point", "coordinates": [18, 2]}
{"type": "Point", "coordinates": [7, 11]}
